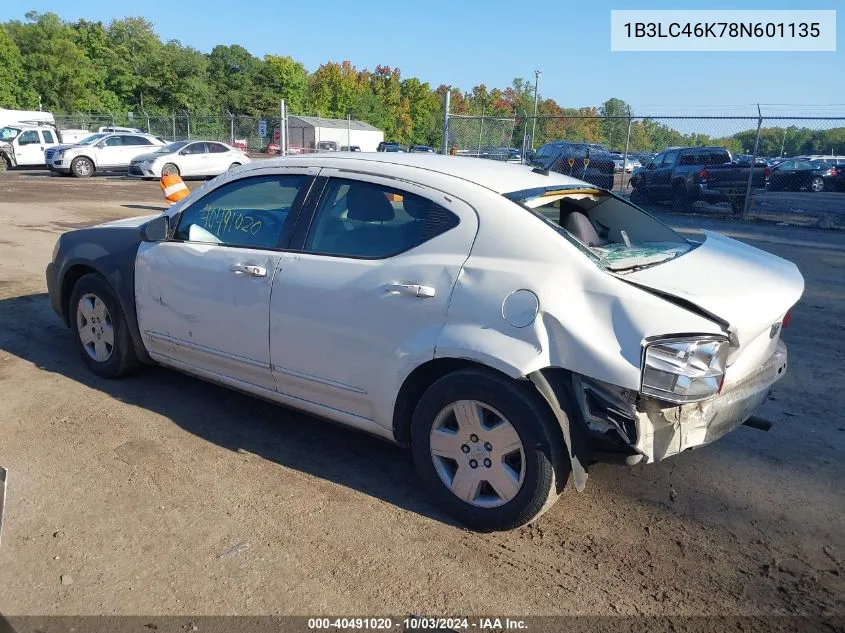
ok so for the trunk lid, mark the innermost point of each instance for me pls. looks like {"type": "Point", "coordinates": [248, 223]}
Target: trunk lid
{"type": "Point", "coordinates": [747, 288]}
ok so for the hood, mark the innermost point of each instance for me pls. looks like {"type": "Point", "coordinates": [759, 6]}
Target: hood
{"type": "Point", "coordinates": [745, 288]}
{"type": "Point", "coordinates": [149, 156]}
{"type": "Point", "coordinates": [128, 222]}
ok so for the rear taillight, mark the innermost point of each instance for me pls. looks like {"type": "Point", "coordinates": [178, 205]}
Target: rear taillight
{"type": "Point", "coordinates": [766, 172]}
{"type": "Point", "coordinates": [703, 175]}
{"type": "Point", "coordinates": [831, 171]}
{"type": "Point", "coordinates": [787, 319]}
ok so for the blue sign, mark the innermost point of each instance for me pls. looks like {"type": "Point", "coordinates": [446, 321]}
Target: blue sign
{"type": "Point", "coordinates": [262, 128]}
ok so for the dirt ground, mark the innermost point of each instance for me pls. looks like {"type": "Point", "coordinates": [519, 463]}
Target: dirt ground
{"type": "Point", "coordinates": [161, 494]}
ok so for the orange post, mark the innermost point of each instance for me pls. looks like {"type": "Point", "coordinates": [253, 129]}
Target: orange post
{"type": "Point", "coordinates": [174, 188]}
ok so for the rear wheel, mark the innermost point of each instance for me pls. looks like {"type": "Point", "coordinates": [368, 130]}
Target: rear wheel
{"type": "Point", "coordinates": [101, 334]}
{"type": "Point", "coordinates": [817, 184]}
{"type": "Point", "coordinates": [82, 167]}
{"type": "Point", "coordinates": [482, 444]}
{"type": "Point", "coordinates": [170, 170]}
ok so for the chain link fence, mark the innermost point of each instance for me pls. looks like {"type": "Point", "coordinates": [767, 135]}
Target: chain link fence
{"type": "Point", "coordinates": [619, 149]}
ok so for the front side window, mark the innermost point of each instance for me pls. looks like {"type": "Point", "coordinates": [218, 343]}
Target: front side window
{"type": "Point", "coordinates": [251, 212]}
{"type": "Point", "coordinates": [28, 138]}
{"type": "Point", "coordinates": [361, 219]}
{"type": "Point", "coordinates": [113, 141]}
{"type": "Point", "coordinates": [194, 148]}
{"type": "Point", "coordinates": [671, 159]}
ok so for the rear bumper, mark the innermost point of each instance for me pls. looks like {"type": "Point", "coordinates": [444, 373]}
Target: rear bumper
{"type": "Point", "coordinates": [664, 429]}
{"type": "Point", "coordinates": [625, 427]}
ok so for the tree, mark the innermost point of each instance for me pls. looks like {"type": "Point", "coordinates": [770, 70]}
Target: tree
{"type": "Point", "coordinates": [287, 79]}
{"type": "Point", "coordinates": [14, 90]}
{"type": "Point", "coordinates": [232, 72]}
{"type": "Point", "coordinates": [614, 126]}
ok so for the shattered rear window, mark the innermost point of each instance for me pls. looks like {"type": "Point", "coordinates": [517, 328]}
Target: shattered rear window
{"type": "Point", "coordinates": [617, 235]}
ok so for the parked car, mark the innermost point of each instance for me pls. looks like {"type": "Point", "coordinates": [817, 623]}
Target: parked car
{"type": "Point", "coordinates": [685, 175]}
{"type": "Point", "coordinates": [327, 146]}
{"type": "Point", "coordinates": [818, 174]}
{"type": "Point", "coordinates": [125, 130]}
{"type": "Point", "coordinates": [272, 148]}
{"type": "Point", "coordinates": [350, 148]}
{"type": "Point", "coordinates": [101, 152]}
{"type": "Point", "coordinates": [509, 324]}
{"type": "Point", "coordinates": [389, 146]}
{"type": "Point", "coordinates": [421, 148]}
{"type": "Point", "coordinates": [628, 166]}
{"type": "Point", "coordinates": [588, 161]}
{"type": "Point", "coordinates": [24, 145]}
{"type": "Point", "coordinates": [188, 158]}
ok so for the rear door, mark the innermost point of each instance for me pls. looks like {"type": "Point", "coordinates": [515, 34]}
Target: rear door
{"type": "Point", "coordinates": [365, 299]}
{"type": "Point", "coordinates": [134, 146]}
{"type": "Point", "coordinates": [220, 158]}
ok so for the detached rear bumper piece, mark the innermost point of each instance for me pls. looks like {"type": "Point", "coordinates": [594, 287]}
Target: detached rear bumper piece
{"type": "Point", "coordinates": [655, 429]}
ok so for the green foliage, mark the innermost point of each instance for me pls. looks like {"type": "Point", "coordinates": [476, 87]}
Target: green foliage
{"type": "Point", "coordinates": [88, 67]}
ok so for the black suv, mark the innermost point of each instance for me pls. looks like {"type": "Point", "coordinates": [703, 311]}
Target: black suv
{"type": "Point", "coordinates": [389, 146]}
{"type": "Point", "coordinates": [586, 161]}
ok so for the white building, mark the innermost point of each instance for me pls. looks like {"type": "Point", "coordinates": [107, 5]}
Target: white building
{"type": "Point", "coordinates": [304, 132]}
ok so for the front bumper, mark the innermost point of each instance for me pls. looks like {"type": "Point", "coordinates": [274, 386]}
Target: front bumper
{"type": "Point", "coordinates": [141, 171]}
{"type": "Point", "coordinates": [52, 275]}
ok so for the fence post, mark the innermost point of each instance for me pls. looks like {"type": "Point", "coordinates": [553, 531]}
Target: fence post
{"type": "Point", "coordinates": [188, 121]}
{"type": "Point", "coordinates": [283, 132]}
{"type": "Point", "coordinates": [349, 131]}
{"type": "Point", "coordinates": [480, 129]}
{"type": "Point", "coordinates": [625, 158]}
{"type": "Point", "coordinates": [444, 148]}
{"type": "Point", "coordinates": [231, 127]}
{"type": "Point", "coordinates": [753, 163]}
{"type": "Point", "coordinates": [174, 126]}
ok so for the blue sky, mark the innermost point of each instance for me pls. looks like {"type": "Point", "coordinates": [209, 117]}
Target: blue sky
{"type": "Point", "coordinates": [468, 42]}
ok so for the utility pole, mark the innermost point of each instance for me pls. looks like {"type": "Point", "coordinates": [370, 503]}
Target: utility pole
{"type": "Point", "coordinates": [537, 74]}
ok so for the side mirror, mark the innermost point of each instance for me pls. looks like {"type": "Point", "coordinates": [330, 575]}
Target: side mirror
{"type": "Point", "coordinates": [156, 230]}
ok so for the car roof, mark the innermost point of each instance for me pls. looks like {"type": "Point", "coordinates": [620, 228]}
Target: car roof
{"type": "Point", "coordinates": [497, 176]}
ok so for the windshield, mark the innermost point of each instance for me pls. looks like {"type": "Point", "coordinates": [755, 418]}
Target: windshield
{"type": "Point", "coordinates": [90, 140]}
{"type": "Point", "coordinates": [172, 148]}
{"type": "Point", "coordinates": [616, 234]}
{"type": "Point", "coordinates": [8, 134]}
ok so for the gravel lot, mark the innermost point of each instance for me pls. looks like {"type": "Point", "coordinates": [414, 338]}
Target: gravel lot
{"type": "Point", "coordinates": [161, 494]}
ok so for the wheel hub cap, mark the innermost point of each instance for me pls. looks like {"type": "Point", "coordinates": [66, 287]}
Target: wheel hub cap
{"type": "Point", "coordinates": [94, 324]}
{"type": "Point", "coordinates": [477, 454]}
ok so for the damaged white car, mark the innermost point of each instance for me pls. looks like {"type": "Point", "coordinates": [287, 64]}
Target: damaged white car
{"type": "Point", "coordinates": [510, 325]}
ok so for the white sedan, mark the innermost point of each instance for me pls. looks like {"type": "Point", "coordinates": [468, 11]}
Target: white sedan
{"type": "Point", "coordinates": [188, 159]}
{"type": "Point", "coordinates": [510, 325]}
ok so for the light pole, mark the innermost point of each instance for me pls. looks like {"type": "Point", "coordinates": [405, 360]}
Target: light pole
{"type": "Point", "coordinates": [537, 74]}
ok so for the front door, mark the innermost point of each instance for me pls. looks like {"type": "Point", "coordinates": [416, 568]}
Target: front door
{"type": "Point", "coordinates": [29, 148]}
{"type": "Point", "coordinates": [203, 298]}
{"type": "Point", "coordinates": [365, 300]}
{"type": "Point", "coordinates": [662, 176]}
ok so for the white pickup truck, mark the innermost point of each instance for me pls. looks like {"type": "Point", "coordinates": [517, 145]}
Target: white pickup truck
{"type": "Point", "coordinates": [24, 144]}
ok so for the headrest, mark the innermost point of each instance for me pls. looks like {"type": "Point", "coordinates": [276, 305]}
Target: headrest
{"type": "Point", "coordinates": [415, 206]}
{"type": "Point", "coordinates": [368, 204]}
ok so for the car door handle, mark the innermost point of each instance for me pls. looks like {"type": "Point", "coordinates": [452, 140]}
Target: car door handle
{"type": "Point", "coordinates": [255, 271]}
{"type": "Point", "coordinates": [414, 290]}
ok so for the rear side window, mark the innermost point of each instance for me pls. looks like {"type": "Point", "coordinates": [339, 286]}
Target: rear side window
{"type": "Point", "coordinates": [217, 148]}
{"type": "Point", "coordinates": [367, 220]}
{"type": "Point", "coordinates": [250, 212]}
{"type": "Point", "coordinates": [136, 140]}
{"type": "Point", "coordinates": [48, 136]}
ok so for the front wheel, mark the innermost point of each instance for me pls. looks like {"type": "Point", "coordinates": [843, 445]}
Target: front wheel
{"type": "Point", "coordinates": [101, 334]}
{"type": "Point", "coordinates": [817, 184]}
{"type": "Point", "coordinates": [482, 445]}
{"type": "Point", "coordinates": [169, 170]}
{"type": "Point", "coordinates": [82, 167]}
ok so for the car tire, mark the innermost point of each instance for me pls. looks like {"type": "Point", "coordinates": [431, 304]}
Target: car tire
{"type": "Point", "coordinates": [82, 167]}
{"type": "Point", "coordinates": [817, 184]}
{"type": "Point", "coordinates": [100, 331]}
{"type": "Point", "coordinates": [521, 479]}
{"type": "Point", "coordinates": [170, 170]}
